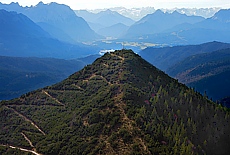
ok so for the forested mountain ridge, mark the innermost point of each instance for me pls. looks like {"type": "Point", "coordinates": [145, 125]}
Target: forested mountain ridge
{"type": "Point", "coordinates": [204, 67]}
{"type": "Point", "coordinates": [207, 72]}
{"type": "Point", "coordinates": [120, 104]}
{"type": "Point", "coordinates": [197, 60]}
{"type": "Point", "coordinates": [20, 75]}
{"type": "Point", "coordinates": [166, 57]}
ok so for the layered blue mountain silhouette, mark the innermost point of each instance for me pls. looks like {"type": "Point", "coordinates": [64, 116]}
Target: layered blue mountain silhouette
{"type": "Point", "coordinates": [114, 31]}
{"type": "Point", "coordinates": [20, 36]}
{"type": "Point", "coordinates": [57, 19]}
{"type": "Point", "coordinates": [107, 23]}
{"type": "Point", "coordinates": [160, 21]}
{"type": "Point", "coordinates": [175, 28]}
{"type": "Point", "coordinates": [159, 27]}
{"type": "Point", "coordinates": [166, 57]}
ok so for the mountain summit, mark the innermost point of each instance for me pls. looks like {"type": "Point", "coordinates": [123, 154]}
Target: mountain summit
{"type": "Point", "coordinates": [120, 104]}
{"type": "Point", "coordinates": [222, 15]}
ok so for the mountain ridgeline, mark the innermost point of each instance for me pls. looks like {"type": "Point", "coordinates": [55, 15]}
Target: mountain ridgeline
{"type": "Point", "coordinates": [204, 67]}
{"type": "Point", "coordinates": [57, 19]}
{"type": "Point", "coordinates": [207, 72]}
{"type": "Point", "coordinates": [21, 37]}
{"type": "Point", "coordinates": [180, 29]}
{"type": "Point", "coordinates": [120, 104]}
{"type": "Point", "coordinates": [21, 75]}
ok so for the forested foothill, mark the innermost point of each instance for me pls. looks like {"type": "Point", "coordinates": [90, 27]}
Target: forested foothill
{"type": "Point", "coordinates": [120, 104]}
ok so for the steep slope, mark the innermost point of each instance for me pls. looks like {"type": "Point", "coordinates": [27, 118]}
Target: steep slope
{"type": "Point", "coordinates": [24, 25]}
{"type": "Point", "coordinates": [205, 59]}
{"type": "Point", "coordinates": [220, 20]}
{"type": "Point", "coordinates": [60, 17]}
{"type": "Point", "coordinates": [205, 72]}
{"type": "Point", "coordinates": [64, 18]}
{"type": "Point", "coordinates": [88, 16]}
{"type": "Point", "coordinates": [20, 36]}
{"type": "Point", "coordinates": [21, 75]}
{"type": "Point", "coordinates": [118, 105]}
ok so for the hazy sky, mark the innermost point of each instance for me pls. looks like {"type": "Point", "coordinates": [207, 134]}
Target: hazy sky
{"type": "Point", "coordinates": [99, 4]}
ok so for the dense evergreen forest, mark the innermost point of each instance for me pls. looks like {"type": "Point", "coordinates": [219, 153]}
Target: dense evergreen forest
{"type": "Point", "coordinates": [120, 104]}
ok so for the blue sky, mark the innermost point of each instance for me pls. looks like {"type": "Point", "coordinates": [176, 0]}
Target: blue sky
{"type": "Point", "coordinates": [100, 4]}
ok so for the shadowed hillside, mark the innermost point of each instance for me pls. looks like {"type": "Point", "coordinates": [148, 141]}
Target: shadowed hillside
{"type": "Point", "coordinates": [208, 72]}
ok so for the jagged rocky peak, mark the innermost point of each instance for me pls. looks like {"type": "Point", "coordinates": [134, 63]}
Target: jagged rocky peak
{"type": "Point", "coordinates": [14, 3]}
{"type": "Point", "coordinates": [222, 15]}
{"type": "Point", "coordinates": [53, 5]}
{"type": "Point", "coordinates": [159, 12]}
{"type": "Point", "coordinates": [40, 3]}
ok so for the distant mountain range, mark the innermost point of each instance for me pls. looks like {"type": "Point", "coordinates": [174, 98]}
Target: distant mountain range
{"type": "Point", "coordinates": [20, 36]}
{"type": "Point", "coordinates": [175, 28]}
{"type": "Point", "coordinates": [151, 23]}
{"type": "Point", "coordinates": [178, 29]}
{"type": "Point", "coordinates": [107, 23]}
{"type": "Point", "coordinates": [171, 28]}
{"type": "Point", "coordinates": [165, 27]}
{"type": "Point", "coordinates": [159, 22]}
{"type": "Point", "coordinates": [133, 13]}
{"type": "Point", "coordinates": [57, 19]}
{"type": "Point", "coordinates": [203, 12]}
{"type": "Point", "coordinates": [104, 18]}
{"type": "Point", "coordinates": [138, 13]}
{"type": "Point", "coordinates": [114, 31]}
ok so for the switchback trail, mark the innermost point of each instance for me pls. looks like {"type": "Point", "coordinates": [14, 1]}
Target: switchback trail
{"type": "Point", "coordinates": [56, 100]}
{"type": "Point", "coordinates": [27, 119]}
{"type": "Point", "coordinates": [28, 140]}
{"type": "Point", "coordinates": [22, 149]}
